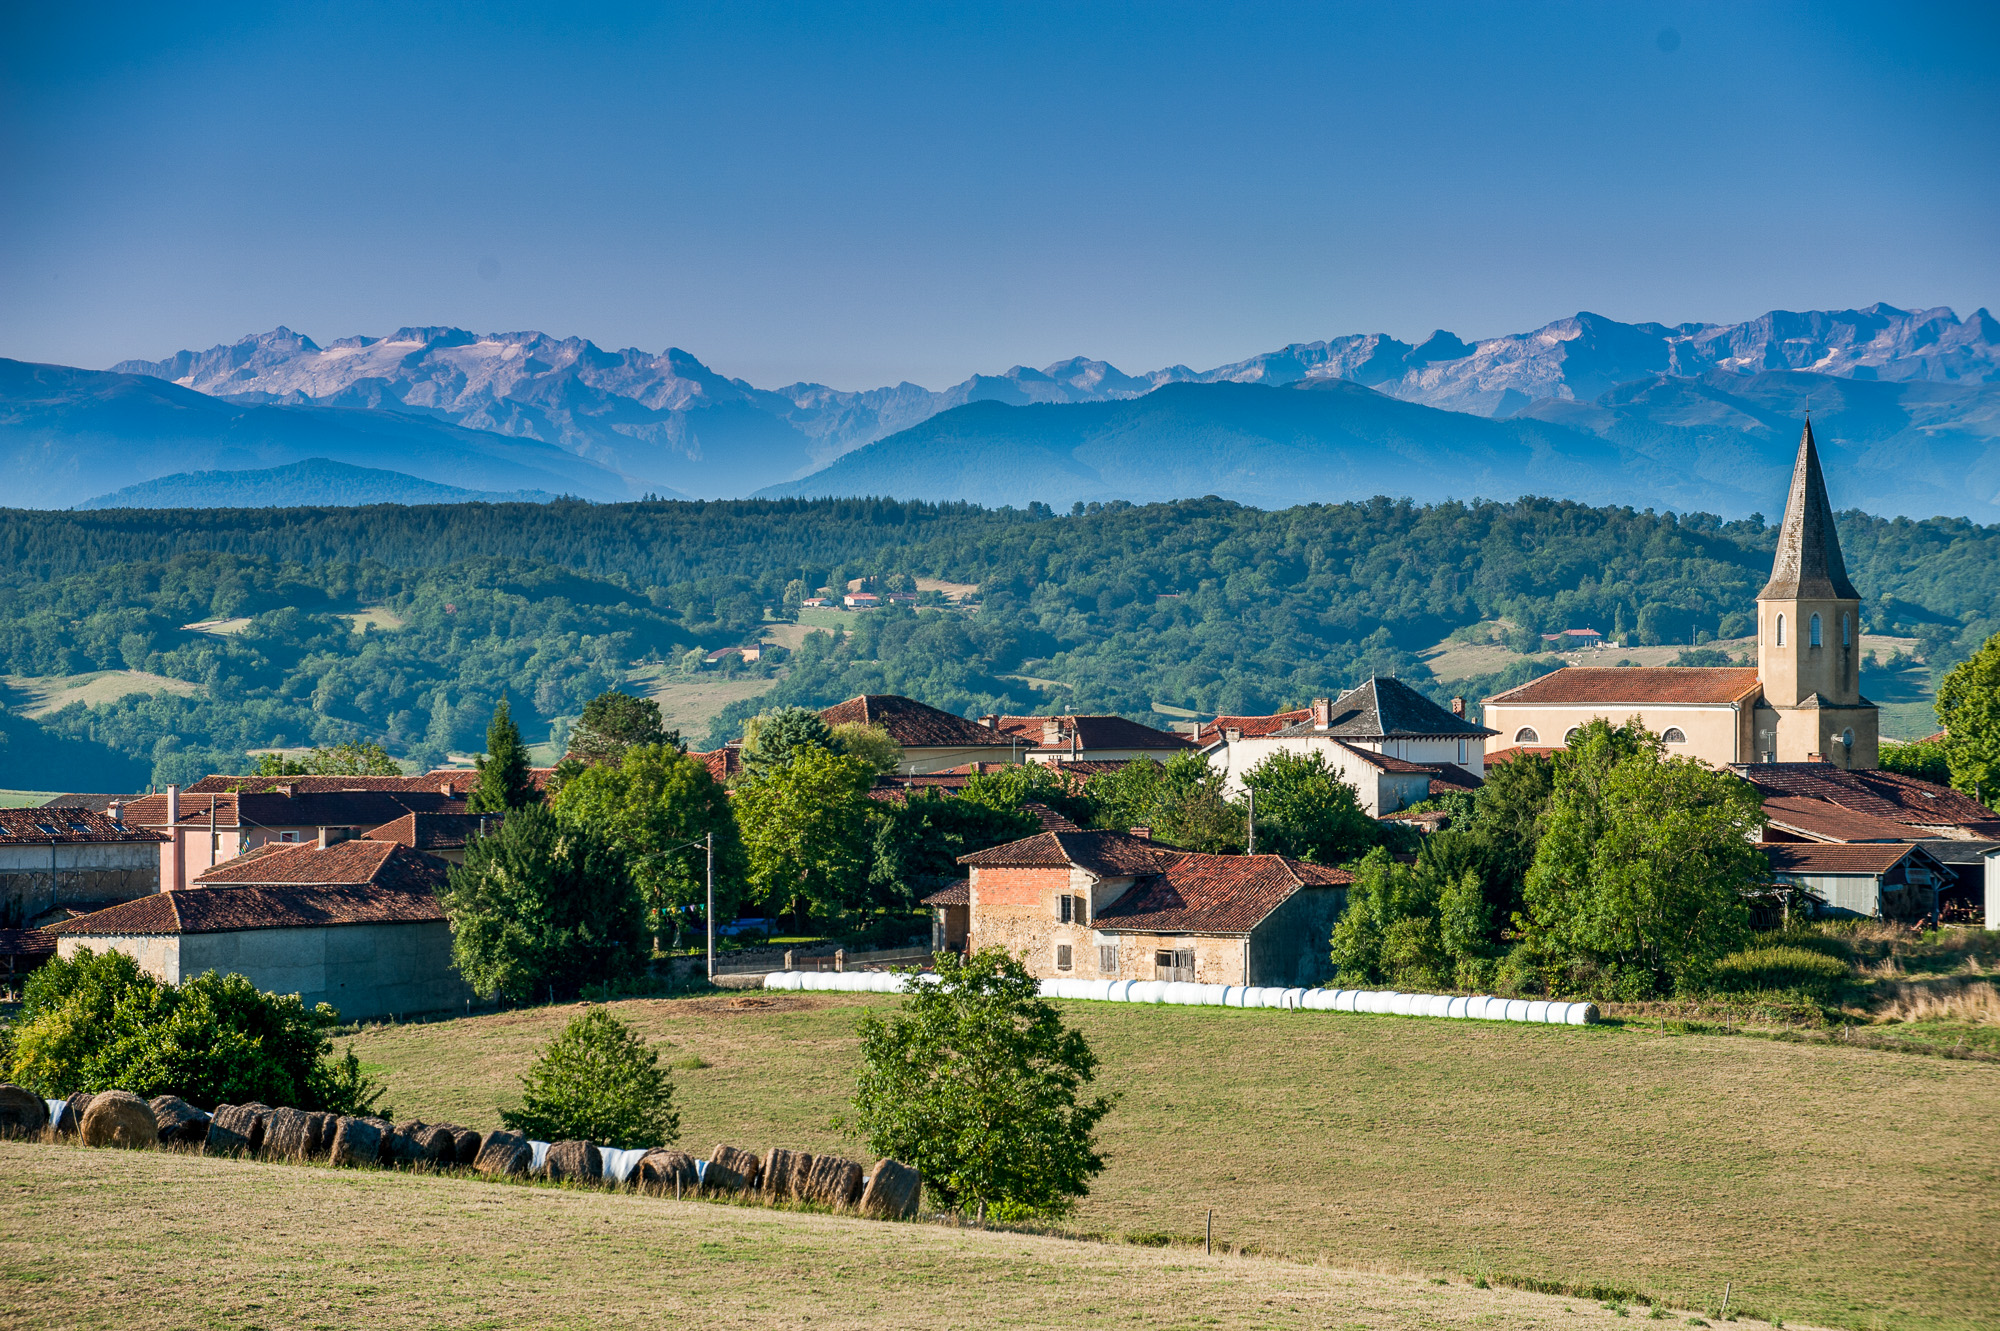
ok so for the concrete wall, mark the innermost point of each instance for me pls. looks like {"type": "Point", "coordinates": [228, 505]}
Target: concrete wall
{"type": "Point", "coordinates": [91, 872]}
{"type": "Point", "coordinates": [1292, 945]}
{"type": "Point", "coordinates": [364, 970]}
{"type": "Point", "coordinates": [159, 955]}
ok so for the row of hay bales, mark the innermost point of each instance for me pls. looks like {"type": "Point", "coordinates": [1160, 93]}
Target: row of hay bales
{"type": "Point", "coordinates": [890, 1191]}
{"type": "Point", "coordinates": [1383, 1001]}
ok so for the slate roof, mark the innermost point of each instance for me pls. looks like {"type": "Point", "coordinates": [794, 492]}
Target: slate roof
{"type": "Point", "coordinates": [435, 831]}
{"type": "Point", "coordinates": [1891, 795]}
{"type": "Point", "coordinates": [64, 826]}
{"type": "Point", "coordinates": [1823, 820]}
{"type": "Point", "coordinates": [226, 909]}
{"type": "Point", "coordinates": [1213, 894]}
{"type": "Point", "coordinates": [1106, 854]}
{"type": "Point", "coordinates": [912, 724]}
{"type": "Point", "coordinates": [1811, 857]}
{"type": "Point", "coordinates": [1619, 686]}
{"type": "Point", "coordinates": [1808, 563]}
{"type": "Point", "coordinates": [384, 864]}
{"type": "Point", "coordinates": [1386, 709]}
{"type": "Point", "coordinates": [1092, 732]}
{"type": "Point", "coordinates": [330, 808]}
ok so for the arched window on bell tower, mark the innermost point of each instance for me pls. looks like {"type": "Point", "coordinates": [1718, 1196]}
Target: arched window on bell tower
{"type": "Point", "coordinates": [1814, 639]}
{"type": "Point", "coordinates": [1781, 629]}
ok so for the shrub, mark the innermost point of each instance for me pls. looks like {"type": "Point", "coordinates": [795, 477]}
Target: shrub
{"type": "Point", "coordinates": [976, 1082]}
{"type": "Point", "coordinates": [1781, 967]}
{"type": "Point", "coordinates": [598, 1082]}
{"type": "Point", "coordinates": [97, 1023]}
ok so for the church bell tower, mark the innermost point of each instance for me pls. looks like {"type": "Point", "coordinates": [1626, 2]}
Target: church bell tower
{"type": "Point", "coordinates": [1809, 638]}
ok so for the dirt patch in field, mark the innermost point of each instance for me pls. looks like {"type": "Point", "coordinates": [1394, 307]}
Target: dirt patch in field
{"type": "Point", "coordinates": [754, 1004]}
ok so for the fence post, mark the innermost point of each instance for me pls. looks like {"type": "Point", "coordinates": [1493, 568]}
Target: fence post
{"type": "Point", "coordinates": [788, 958]}
{"type": "Point", "coordinates": [840, 959]}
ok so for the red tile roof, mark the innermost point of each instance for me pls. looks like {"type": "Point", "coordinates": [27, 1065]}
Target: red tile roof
{"type": "Point", "coordinates": [435, 831]}
{"type": "Point", "coordinates": [458, 780]}
{"type": "Point", "coordinates": [226, 909]}
{"type": "Point", "coordinates": [1808, 857]}
{"type": "Point", "coordinates": [1450, 776]}
{"type": "Point", "coordinates": [958, 894]}
{"type": "Point", "coordinates": [1088, 767]}
{"type": "Point", "coordinates": [1090, 732]}
{"type": "Point", "coordinates": [1250, 726]}
{"type": "Point", "coordinates": [1106, 854]}
{"type": "Point", "coordinates": [912, 724]}
{"type": "Point", "coordinates": [383, 864]}
{"type": "Point", "coordinates": [1823, 820]}
{"type": "Point", "coordinates": [27, 943]}
{"type": "Point", "coordinates": [328, 808]}
{"type": "Point", "coordinates": [1891, 795]}
{"type": "Point", "coordinates": [1213, 894]}
{"type": "Point", "coordinates": [1050, 819]}
{"type": "Point", "coordinates": [1620, 686]}
{"type": "Point", "coordinates": [1513, 751]}
{"type": "Point", "coordinates": [722, 763]}
{"type": "Point", "coordinates": [66, 827]}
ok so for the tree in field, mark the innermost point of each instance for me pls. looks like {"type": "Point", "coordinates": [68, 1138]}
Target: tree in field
{"type": "Point", "coordinates": [369, 759]}
{"type": "Point", "coordinates": [1643, 861]}
{"type": "Point", "coordinates": [543, 907]}
{"type": "Point", "coordinates": [805, 827]}
{"type": "Point", "coordinates": [1305, 810]}
{"type": "Point", "coordinates": [504, 779]}
{"type": "Point", "coordinates": [655, 806]}
{"type": "Point", "coordinates": [597, 1082]}
{"type": "Point", "coordinates": [1416, 926]}
{"type": "Point", "coordinates": [1968, 707]}
{"type": "Point", "coordinates": [770, 740]}
{"type": "Point", "coordinates": [978, 1083]}
{"type": "Point", "coordinates": [613, 722]}
{"type": "Point", "coordinates": [917, 843]}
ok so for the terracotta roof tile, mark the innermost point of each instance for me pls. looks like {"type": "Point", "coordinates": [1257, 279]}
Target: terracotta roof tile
{"type": "Point", "coordinates": [327, 808]}
{"type": "Point", "coordinates": [1250, 725]}
{"type": "Point", "coordinates": [1222, 894]}
{"type": "Point", "coordinates": [722, 763]}
{"type": "Point", "coordinates": [376, 863]}
{"type": "Point", "coordinates": [1809, 857]}
{"type": "Point", "coordinates": [27, 943]}
{"type": "Point", "coordinates": [958, 894]}
{"type": "Point", "coordinates": [1091, 732]}
{"type": "Point", "coordinates": [1823, 820]}
{"type": "Point", "coordinates": [1617, 686]}
{"type": "Point", "coordinates": [1902, 799]}
{"type": "Point", "coordinates": [1513, 751]}
{"type": "Point", "coordinates": [226, 909]}
{"type": "Point", "coordinates": [66, 826]}
{"type": "Point", "coordinates": [912, 724]}
{"type": "Point", "coordinates": [435, 831]}
{"type": "Point", "coordinates": [1106, 854]}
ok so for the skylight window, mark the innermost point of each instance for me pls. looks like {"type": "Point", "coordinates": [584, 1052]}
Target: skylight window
{"type": "Point", "coordinates": [48, 828]}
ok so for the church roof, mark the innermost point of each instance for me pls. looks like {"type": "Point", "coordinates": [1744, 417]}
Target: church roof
{"type": "Point", "coordinates": [1621, 686]}
{"type": "Point", "coordinates": [1808, 563]}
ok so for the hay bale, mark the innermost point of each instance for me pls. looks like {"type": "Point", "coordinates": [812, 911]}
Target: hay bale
{"type": "Point", "coordinates": [892, 1191]}
{"type": "Point", "coordinates": [356, 1141]}
{"type": "Point", "coordinates": [178, 1120]}
{"type": "Point", "coordinates": [22, 1112]}
{"type": "Point", "coordinates": [415, 1143]}
{"type": "Point", "coordinates": [834, 1182]}
{"type": "Point", "coordinates": [320, 1134]}
{"type": "Point", "coordinates": [71, 1121]}
{"type": "Point", "coordinates": [730, 1169]}
{"type": "Point", "coordinates": [287, 1135]}
{"type": "Point", "coordinates": [466, 1147]}
{"type": "Point", "coordinates": [574, 1161]}
{"type": "Point", "coordinates": [665, 1171]}
{"type": "Point", "coordinates": [120, 1118]}
{"type": "Point", "coordinates": [783, 1171]}
{"type": "Point", "coordinates": [440, 1146]}
{"type": "Point", "coordinates": [503, 1155]}
{"type": "Point", "coordinates": [236, 1129]}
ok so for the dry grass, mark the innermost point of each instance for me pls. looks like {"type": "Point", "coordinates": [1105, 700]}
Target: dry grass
{"type": "Point", "coordinates": [157, 1239]}
{"type": "Point", "coordinates": [689, 705]}
{"type": "Point", "coordinates": [38, 696]}
{"type": "Point", "coordinates": [380, 616]}
{"type": "Point", "coordinates": [1968, 1002]}
{"type": "Point", "coordinates": [221, 628]}
{"type": "Point", "coordinates": [1841, 1186]}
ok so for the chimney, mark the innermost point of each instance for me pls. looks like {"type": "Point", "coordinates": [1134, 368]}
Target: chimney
{"type": "Point", "coordinates": [1322, 710]}
{"type": "Point", "coordinates": [990, 722]}
{"type": "Point", "coordinates": [1232, 734]}
{"type": "Point", "coordinates": [444, 788]}
{"type": "Point", "coordinates": [1052, 732]}
{"type": "Point", "coordinates": [288, 789]}
{"type": "Point", "coordinates": [173, 805]}
{"type": "Point", "coordinates": [1458, 707]}
{"type": "Point", "coordinates": [323, 841]}
{"type": "Point", "coordinates": [171, 853]}
{"type": "Point", "coordinates": [117, 811]}
{"type": "Point", "coordinates": [1143, 833]}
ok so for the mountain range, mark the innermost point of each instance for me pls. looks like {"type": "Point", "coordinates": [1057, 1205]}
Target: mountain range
{"type": "Point", "coordinates": [1662, 414]}
{"type": "Point", "coordinates": [314, 483]}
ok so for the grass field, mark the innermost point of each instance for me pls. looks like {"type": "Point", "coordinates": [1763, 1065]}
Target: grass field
{"type": "Point", "coordinates": [36, 696]}
{"type": "Point", "coordinates": [131, 1239]}
{"type": "Point", "coordinates": [1846, 1187]}
{"type": "Point", "coordinates": [689, 705]}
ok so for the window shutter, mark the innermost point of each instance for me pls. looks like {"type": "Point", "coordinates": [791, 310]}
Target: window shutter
{"type": "Point", "coordinates": [1062, 957]}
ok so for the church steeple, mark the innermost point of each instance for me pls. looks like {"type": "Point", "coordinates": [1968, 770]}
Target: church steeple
{"type": "Point", "coordinates": [1808, 565]}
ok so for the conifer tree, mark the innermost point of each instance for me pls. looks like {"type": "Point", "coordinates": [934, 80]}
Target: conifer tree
{"type": "Point", "coordinates": [504, 779]}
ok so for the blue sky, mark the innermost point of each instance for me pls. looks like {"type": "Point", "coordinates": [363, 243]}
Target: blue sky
{"type": "Point", "coordinates": [863, 194]}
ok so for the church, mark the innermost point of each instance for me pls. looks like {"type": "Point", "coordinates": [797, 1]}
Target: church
{"type": "Point", "coordinates": [1801, 702]}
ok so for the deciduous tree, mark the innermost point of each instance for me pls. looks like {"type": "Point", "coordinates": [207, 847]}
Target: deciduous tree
{"type": "Point", "coordinates": [1968, 707]}
{"type": "Point", "coordinates": [597, 1082]}
{"type": "Point", "coordinates": [804, 824]}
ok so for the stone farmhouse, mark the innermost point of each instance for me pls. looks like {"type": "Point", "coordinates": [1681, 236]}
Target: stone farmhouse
{"type": "Point", "coordinates": [56, 860]}
{"type": "Point", "coordinates": [1110, 905]}
{"type": "Point", "coordinates": [1389, 742]}
{"type": "Point", "coordinates": [356, 924]}
{"type": "Point", "coordinates": [1801, 702]}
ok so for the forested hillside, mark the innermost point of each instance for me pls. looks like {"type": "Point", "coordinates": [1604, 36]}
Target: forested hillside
{"type": "Point", "coordinates": [407, 624]}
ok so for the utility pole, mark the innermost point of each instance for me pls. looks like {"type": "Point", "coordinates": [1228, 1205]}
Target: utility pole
{"type": "Point", "coordinates": [711, 907]}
